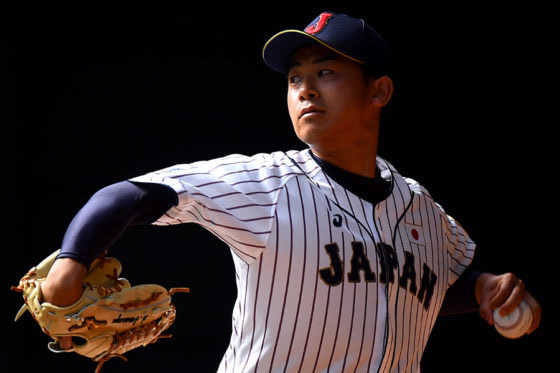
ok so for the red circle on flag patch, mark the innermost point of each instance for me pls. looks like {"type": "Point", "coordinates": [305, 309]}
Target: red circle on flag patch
{"type": "Point", "coordinates": [415, 234]}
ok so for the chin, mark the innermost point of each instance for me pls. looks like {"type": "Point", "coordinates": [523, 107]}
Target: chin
{"type": "Point", "coordinates": [313, 139]}
{"type": "Point", "coordinates": [307, 130]}
{"type": "Point", "coordinates": [305, 134]}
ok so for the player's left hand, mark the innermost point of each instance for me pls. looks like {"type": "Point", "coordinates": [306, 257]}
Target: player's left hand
{"type": "Point", "coordinates": [505, 291]}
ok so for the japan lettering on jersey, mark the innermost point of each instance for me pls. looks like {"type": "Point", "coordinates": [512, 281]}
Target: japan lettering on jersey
{"type": "Point", "coordinates": [326, 280]}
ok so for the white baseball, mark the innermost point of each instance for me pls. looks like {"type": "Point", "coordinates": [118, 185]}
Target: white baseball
{"type": "Point", "coordinates": [514, 324]}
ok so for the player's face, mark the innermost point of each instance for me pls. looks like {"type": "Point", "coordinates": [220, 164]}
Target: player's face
{"type": "Point", "coordinates": [329, 99]}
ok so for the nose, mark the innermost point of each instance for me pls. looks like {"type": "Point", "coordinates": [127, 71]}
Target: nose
{"type": "Point", "coordinates": [308, 90]}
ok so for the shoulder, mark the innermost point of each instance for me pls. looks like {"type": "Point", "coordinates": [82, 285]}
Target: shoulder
{"type": "Point", "coordinates": [230, 165]}
{"type": "Point", "coordinates": [421, 197]}
{"type": "Point", "coordinates": [267, 169]}
{"type": "Point", "coordinates": [276, 164]}
{"type": "Point", "coordinates": [389, 171]}
{"type": "Point", "coordinates": [417, 188]}
{"type": "Point", "coordinates": [258, 173]}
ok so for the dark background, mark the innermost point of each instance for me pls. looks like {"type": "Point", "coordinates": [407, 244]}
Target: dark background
{"type": "Point", "coordinates": [101, 94]}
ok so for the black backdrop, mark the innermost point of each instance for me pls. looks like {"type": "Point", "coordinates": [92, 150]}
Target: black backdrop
{"type": "Point", "coordinates": [97, 95]}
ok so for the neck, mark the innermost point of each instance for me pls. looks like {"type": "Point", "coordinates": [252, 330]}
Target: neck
{"type": "Point", "coordinates": [359, 160]}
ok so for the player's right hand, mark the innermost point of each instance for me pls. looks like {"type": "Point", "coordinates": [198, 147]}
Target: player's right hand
{"type": "Point", "coordinates": [63, 287]}
{"type": "Point", "coordinates": [504, 291]}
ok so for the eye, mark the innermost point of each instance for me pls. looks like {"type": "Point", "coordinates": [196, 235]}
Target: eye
{"type": "Point", "coordinates": [324, 72]}
{"type": "Point", "coordinates": [293, 79]}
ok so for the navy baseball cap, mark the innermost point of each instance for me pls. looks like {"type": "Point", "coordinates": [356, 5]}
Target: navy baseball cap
{"type": "Point", "coordinates": [350, 37]}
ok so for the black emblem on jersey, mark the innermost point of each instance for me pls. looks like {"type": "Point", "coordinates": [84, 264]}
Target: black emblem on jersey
{"type": "Point", "coordinates": [360, 268]}
{"type": "Point", "coordinates": [333, 274]}
{"type": "Point", "coordinates": [337, 220]}
{"type": "Point", "coordinates": [359, 262]}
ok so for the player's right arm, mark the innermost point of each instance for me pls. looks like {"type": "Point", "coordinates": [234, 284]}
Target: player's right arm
{"type": "Point", "coordinates": [108, 213]}
{"type": "Point", "coordinates": [98, 224]}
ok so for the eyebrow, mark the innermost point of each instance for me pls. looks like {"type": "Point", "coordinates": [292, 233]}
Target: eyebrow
{"type": "Point", "coordinates": [328, 57]}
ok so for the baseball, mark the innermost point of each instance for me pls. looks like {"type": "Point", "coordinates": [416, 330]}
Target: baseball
{"type": "Point", "coordinates": [516, 323]}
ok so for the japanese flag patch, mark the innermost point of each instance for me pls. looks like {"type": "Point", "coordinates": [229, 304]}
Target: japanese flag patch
{"type": "Point", "coordinates": [415, 233]}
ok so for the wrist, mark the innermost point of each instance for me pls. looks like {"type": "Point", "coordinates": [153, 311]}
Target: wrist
{"type": "Point", "coordinates": [479, 286]}
{"type": "Point", "coordinates": [63, 285]}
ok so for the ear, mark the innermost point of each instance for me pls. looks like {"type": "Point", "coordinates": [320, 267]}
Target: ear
{"type": "Point", "coordinates": [382, 91]}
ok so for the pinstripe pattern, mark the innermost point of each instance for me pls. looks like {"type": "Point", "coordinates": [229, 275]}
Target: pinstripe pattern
{"type": "Point", "coordinates": [301, 304]}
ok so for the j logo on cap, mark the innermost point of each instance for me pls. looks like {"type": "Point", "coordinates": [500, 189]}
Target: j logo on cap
{"type": "Point", "coordinates": [317, 27]}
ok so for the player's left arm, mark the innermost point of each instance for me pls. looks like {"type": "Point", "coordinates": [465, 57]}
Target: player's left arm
{"type": "Point", "coordinates": [460, 297]}
{"type": "Point", "coordinates": [505, 291]}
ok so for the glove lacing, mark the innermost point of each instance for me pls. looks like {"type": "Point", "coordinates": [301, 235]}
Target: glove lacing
{"type": "Point", "coordinates": [150, 332]}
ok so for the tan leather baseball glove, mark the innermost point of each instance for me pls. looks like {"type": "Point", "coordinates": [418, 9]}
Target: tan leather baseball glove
{"type": "Point", "coordinates": [109, 319]}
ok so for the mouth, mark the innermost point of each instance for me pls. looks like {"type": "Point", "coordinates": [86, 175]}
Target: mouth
{"type": "Point", "coordinates": [310, 110]}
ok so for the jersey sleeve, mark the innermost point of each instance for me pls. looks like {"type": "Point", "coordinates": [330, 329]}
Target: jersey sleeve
{"type": "Point", "coordinates": [233, 197]}
{"type": "Point", "coordinates": [460, 247]}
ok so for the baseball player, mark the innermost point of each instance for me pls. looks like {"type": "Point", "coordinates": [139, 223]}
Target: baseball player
{"type": "Point", "coordinates": [342, 264]}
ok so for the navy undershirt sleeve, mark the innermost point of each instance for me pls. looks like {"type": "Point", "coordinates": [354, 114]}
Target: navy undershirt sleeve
{"type": "Point", "coordinates": [460, 297]}
{"type": "Point", "coordinates": [107, 214]}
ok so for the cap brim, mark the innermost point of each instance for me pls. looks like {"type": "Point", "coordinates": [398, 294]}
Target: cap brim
{"type": "Point", "coordinates": [279, 49]}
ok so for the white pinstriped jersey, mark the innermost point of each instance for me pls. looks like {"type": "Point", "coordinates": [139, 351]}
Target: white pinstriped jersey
{"type": "Point", "coordinates": [313, 262]}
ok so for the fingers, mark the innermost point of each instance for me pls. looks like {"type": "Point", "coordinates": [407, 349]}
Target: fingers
{"type": "Point", "coordinates": [505, 292]}
{"type": "Point", "coordinates": [486, 312]}
{"type": "Point", "coordinates": [509, 295]}
{"type": "Point", "coordinates": [495, 291]}
{"type": "Point", "coordinates": [65, 342]}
